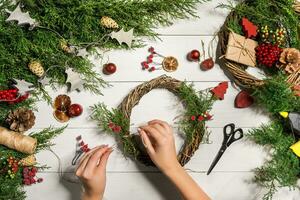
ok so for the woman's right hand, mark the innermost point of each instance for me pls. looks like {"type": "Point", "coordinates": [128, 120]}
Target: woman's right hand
{"type": "Point", "coordinates": [158, 139]}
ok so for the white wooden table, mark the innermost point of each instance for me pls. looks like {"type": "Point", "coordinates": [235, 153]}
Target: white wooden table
{"type": "Point", "coordinates": [231, 178]}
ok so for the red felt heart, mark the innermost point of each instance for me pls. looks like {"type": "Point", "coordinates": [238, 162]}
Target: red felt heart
{"type": "Point", "coordinates": [243, 100]}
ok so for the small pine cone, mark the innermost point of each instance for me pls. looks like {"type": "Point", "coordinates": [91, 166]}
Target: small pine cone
{"type": "Point", "coordinates": [290, 55]}
{"type": "Point", "coordinates": [65, 47]}
{"type": "Point", "coordinates": [36, 68]}
{"type": "Point", "coordinates": [108, 22]}
{"type": "Point", "coordinates": [21, 119]}
{"type": "Point", "coordinates": [28, 161]}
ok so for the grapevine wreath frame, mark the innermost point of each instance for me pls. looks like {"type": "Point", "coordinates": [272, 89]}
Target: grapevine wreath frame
{"type": "Point", "coordinates": [237, 70]}
{"type": "Point", "coordinates": [196, 104]}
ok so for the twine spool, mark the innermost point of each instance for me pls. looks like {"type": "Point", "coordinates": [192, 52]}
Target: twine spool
{"type": "Point", "coordinates": [17, 141]}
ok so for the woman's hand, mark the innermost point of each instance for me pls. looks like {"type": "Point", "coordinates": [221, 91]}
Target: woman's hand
{"type": "Point", "coordinates": [158, 139]}
{"type": "Point", "coordinates": [92, 172]}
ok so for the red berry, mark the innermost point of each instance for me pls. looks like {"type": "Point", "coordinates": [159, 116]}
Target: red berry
{"type": "Point", "coordinates": [109, 68]}
{"type": "Point", "coordinates": [193, 118]}
{"type": "Point", "coordinates": [75, 110]}
{"type": "Point", "coordinates": [117, 129]}
{"type": "Point", "coordinates": [200, 118]}
{"type": "Point", "coordinates": [152, 69]}
{"type": "Point", "coordinates": [151, 50]}
{"type": "Point", "coordinates": [194, 55]}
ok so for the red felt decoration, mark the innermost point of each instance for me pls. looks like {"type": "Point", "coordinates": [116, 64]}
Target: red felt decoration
{"type": "Point", "coordinates": [243, 100]}
{"type": "Point", "coordinates": [220, 90]}
{"type": "Point", "coordinates": [249, 29]}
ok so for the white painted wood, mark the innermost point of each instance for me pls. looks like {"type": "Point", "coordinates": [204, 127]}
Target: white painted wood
{"type": "Point", "coordinates": [209, 21]}
{"type": "Point", "coordinates": [154, 186]}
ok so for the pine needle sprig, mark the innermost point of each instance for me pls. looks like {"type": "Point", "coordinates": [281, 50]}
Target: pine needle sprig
{"type": "Point", "coordinates": [45, 136]}
{"type": "Point", "coordinates": [277, 96]}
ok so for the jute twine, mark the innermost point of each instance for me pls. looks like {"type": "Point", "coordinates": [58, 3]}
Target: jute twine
{"type": "Point", "coordinates": [172, 85]}
{"type": "Point", "coordinates": [237, 70]}
{"type": "Point", "coordinates": [17, 141]}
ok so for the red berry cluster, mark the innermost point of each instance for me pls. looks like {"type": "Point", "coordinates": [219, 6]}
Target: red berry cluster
{"type": "Point", "coordinates": [145, 64]}
{"type": "Point", "coordinates": [115, 128]}
{"type": "Point", "coordinates": [13, 167]}
{"type": "Point", "coordinates": [83, 147]}
{"type": "Point", "coordinates": [268, 54]}
{"type": "Point", "coordinates": [203, 117]}
{"type": "Point", "coordinates": [29, 176]}
{"type": "Point", "coordinates": [11, 96]}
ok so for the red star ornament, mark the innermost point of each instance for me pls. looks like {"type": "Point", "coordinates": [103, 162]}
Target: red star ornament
{"type": "Point", "coordinates": [249, 29]}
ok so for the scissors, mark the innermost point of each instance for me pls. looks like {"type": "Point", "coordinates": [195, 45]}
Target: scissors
{"type": "Point", "coordinates": [231, 135]}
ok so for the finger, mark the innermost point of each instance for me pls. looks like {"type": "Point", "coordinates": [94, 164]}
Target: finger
{"type": "Point", "coordinates": [85, 158]}
{"type": "Point", "coordinates": [94, 160]}
{"type": "Point", "coordinates": [146, 141]}
{"type": "Point", "coordinates": [152, 132]}
{"type": "Point", "coordinates": [104, 158]}
{"type": "Point", "coordinates": [159, 128]}
{"type": "Point", "coordinates": [86, 155]}
{"type": "Point", "coordinates": [160, 122]}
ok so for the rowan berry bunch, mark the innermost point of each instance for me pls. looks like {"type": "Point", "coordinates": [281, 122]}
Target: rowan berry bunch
{"type": "Point", "coordinates": [146, 64]}
{"type": "Point", "coordinates": [268, 54]}
{"type": "Point", "coordinates": [29, 176]}
{"type": "Point", "coordinates": [11, 96]}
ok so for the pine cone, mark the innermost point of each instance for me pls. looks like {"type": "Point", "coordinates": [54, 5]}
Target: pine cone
{"type": "Point", "coordinates": [65, 47]}
{"type": "Point", "coordinates": [290, 55]}
{"type": "Point", "coordinates": [21, 120]}
{"type": "Point", "coordinates": [28, 161]}
{"type": "Point", "coordinates": [108, 22]}
{"type": "Point", "coordinates": [36, 68]}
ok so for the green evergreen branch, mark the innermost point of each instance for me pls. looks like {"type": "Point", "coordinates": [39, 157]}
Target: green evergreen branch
{"type": "Point", "coordinates": [284, 167]}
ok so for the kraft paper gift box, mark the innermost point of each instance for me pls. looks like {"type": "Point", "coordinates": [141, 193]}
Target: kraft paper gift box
{"type": "Point", "coordinates": [241, 49]}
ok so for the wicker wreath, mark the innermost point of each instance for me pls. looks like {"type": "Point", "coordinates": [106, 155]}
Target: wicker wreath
{"type": "Point", "coordinates": [201, 101]}
{"type": "Point", "coordinates": [237, 70]}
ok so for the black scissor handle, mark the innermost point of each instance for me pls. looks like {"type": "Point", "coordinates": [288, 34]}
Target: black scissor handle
{"type": "Point", "coordinates": [231, 134]}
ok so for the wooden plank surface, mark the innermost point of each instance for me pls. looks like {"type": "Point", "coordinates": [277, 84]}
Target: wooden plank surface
{"type": "Point", "coordinates": [231, 179]}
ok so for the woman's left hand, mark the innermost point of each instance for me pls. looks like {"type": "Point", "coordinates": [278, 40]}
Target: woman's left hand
{"type": "Point", "coordinates": [92, 172]}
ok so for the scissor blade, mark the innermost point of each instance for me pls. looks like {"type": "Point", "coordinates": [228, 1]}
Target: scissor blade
{"type": "Point", "coordinates": [216, 160]}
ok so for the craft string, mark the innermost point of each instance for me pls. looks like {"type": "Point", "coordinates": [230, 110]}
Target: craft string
{"type": "Point", "coordinates": [17, 141]}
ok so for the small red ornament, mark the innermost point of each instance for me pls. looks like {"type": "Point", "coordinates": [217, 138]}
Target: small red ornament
{"type": "Point", "coordinates": [207, 64]}
{"type": "Point", "coordinates": [200, 118]}
{"type": "Point", "coordinates": [117, 129]}
{"type": "Point", "coordinates": [151, 50]}
{"type": "Point", "coordinates": [243, 100]}
{"type": "Point", "coordinates": [208, 116]}
{"type": "Point", "coordinates": [249, 29]}
{"type": "Point", "coordinates": [194, 55]}
{"type": "Point", "coordinates": [268, 54]}
{"type": "Point", "coordinates": [75, 110]}
{"type": "Point", "coordinates": [193, 118]}
{"type": "Point", "coordinates": [109, 68]}
{"type": "Point", "coordinates": [220, 90]}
